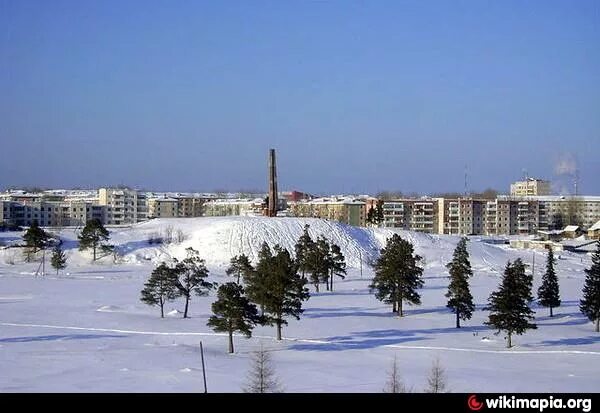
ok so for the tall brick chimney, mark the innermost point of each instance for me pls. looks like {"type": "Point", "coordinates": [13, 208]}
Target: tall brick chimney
{"type": "Point", "coordinates": [273, 196]}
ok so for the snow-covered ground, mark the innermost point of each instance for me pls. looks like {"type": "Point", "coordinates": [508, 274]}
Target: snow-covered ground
{"type": "Point", "coordinates": [86, 330]}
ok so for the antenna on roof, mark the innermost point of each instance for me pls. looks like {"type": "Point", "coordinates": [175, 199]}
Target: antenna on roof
{"type": "Point", "coordinates": [466, 186]}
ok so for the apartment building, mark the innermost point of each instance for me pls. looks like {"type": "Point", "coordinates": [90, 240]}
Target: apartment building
{"type": "Point", "coordinates": [226, 207]}
{"type": "Point", "coordinates": [123, 206]}
{"type": "Point", "coordinates": [163, 208]}
{"type": "Point", "coordinates": [530, 187]}
{"type": "Point", "coordinates": [188, 206]}
{"type": "Point", "coordinates": [51, 213]}
{"type": "Point", "coordinates": [347, 210]}
{"type": "Point", "coordinates": [415, 214]}
{"type": "Point", "coordinates": [461, 216]}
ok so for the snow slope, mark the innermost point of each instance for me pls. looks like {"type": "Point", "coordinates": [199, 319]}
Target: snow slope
{"type": "Point", "coordinates": [86, 330]}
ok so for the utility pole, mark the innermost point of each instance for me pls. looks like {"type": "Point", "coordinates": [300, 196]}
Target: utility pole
{"type": "Point", "coordinates": [203, 368]}
{"type": "Point", "coordinates": [533, 265]}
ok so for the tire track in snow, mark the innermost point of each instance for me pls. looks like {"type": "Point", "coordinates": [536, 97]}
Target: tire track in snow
{"type": "Point", "coordinates": [301, 340]}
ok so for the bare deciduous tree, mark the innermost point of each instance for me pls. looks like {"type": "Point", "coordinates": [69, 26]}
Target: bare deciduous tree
{"type": "Point", "coordinates": [394, 383]}
{"type": "Point", "coordinates": [436, 382]}
{"type": "Point", "coordinates": [261, 377]}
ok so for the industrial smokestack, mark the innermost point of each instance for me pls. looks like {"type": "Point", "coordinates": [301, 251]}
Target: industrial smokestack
{"type": "Point", "coordinates": [273, 196]}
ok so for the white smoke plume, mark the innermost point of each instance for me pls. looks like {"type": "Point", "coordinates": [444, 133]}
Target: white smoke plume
{"type": "Point", "coordinates": [566, 164]}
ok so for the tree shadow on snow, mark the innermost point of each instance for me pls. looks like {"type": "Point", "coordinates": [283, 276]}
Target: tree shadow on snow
{"type": "Point", "coordinates": [576, 341]}
{"type": "Point", "coordinates": [57, 337]}
{"type": "Point", "coordinates": [353, 344]}
{"type": "Point", "coordinates": [563, 319]}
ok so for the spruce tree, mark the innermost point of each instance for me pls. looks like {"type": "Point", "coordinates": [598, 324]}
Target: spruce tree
{"type": "Point", "coordinates": [509, 305]}
{"type": "Point", "coordinates": [459, 295]}
{"type": "Point", "coordinates": [257, 281]}
{"type": "Point", "coordinates": [286, 290]}
{"type": "Point", "coordinates": [590, 303]}
{"type": "Point", "coordinates": [93, 236]}
{"type": "Point", "coordinates": [303, 250]}
{"type": "Point", "coordinates": [35, 239]}
{"type": "Point", "coordinates": [397, 274]}
{"type": "Point", "coordinates": [239, 266]}
{"type": "Point", "coordinates": [548, 293]}
{"type": "Point", "coordinates": [191, 277]}
{"type": "Point", "coordinates": [233, 312]}
{"type": "Point", "coordinates": [338, 263]}
{"type": "Point", "coordinates": [58, 259]}
{"type": "Point", "coordinates": [160, 287]}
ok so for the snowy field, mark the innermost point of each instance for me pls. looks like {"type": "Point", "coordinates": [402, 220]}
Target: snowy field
{"type": "Point", "coordinates": [85, 330]}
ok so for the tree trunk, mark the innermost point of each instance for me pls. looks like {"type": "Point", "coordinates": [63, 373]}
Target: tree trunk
{"type": "Point", "coordinates": [509, 341]}
{"type": "Point", "coordinates": [551, 315]}
{"type": "Point", "coordinates": [598, 325]}
{"type": "Point", "coordinates": [94, 248]}
{"type": "Point", "coordinates": [162, 304]}
{"type": "Point", "coordinates": [238, 279]}
{"type": "Point", "coordinates": [394, 306]}
{"type": "Point", "coordinates": [230, 341]}
{"type": "Point", "coordinates": [317, 286]}
{"type": "Point", "coordinates": [457, 319]}
{"type": "Point", "coordinates": [187, 303]}
{"type": "Point", "coordinates": [400, 313]}
{"type": "Point", "coordinates": [278, 328]}
{"type": "Point", "coordinates": [327, 284]}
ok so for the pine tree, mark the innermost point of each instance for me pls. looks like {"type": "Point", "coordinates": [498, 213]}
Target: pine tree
{"type": "Point", "coordinates": [58, 259]}
{"type": "Point", "coordinates": [378, 217]}
{"type": "Point", "coordinates": [233, 312]}
{"type": "Point", "coordinates": [320, 261]}
{"type": "Point", "coordinates": [509, 305]}
{"type": "Point", "coordinates": [338, 263]}
{"type": "Point", "coordinates": [191, 277]}
{"type": "Point", "coordinates": [590, 303]}
{"type": "Point", "coordinates": [371, 216]}
{"type": "Point", "coordinates": [548, 293]}
{"type": "Point", "coordinates": [35, 238]}
{"type": "Point", "coordinates": [257, 281]}
{"type": "Point", "coordinates": [261, 377]}
{"type": "Point", "coordinates": [436, 382]}
{"type": "Point", "coordinates": [286, 290]}
{"type": "Point", "coordinates": [160, 287]}
{"type": "Point", "coordinates": [459, 295]}
{"type": "Point", "coordinates": [394, 383]}
{"type": "Point", "coordinates": [303, 250]}
{"type": "Point", "coordinates": [240, 266]}
{"type": "Point", "coordinates": [93, 236]}
{"type": "Point", "coordinates": [397, 274]}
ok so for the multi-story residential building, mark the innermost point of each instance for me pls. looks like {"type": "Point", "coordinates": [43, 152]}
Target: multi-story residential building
{"type": "Point", "coordinates": [163, 208]}
{"type": "Point", "coordinates": [530, 187]}
{"type": "Point", "coordinates": [188, 206]}
{"type": "Point", "coordinates": [413, 214]}
{"type": "Point", "coordinates": [225, 207]}
{"type": "Point", "coordinates": [124, 206]}
{"type": "Point", "coordinates": [461, 216]}
{"type": "Point", "coordinates": [349, 211]}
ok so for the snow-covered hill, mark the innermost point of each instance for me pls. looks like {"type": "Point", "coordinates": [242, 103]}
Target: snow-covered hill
{"type": "Point", "coordinates": [86, 330]}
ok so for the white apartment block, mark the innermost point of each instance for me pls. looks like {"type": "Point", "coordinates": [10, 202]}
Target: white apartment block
{"type": "Point", "coordinates": [530, 187]}
{"type": "Point", "coordinates": [123, 206]}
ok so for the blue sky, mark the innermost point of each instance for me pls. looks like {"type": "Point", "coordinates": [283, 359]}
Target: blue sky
{"type": "Point", "coordinates": [356, 96]}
